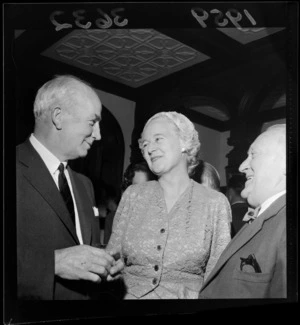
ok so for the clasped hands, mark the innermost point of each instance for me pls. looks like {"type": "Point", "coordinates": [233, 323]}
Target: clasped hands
{"type": "Point", "coordinates": [89, 263]}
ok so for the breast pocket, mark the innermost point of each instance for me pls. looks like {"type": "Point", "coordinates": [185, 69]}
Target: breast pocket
{"type": "Point", "coordinates": [252, 285]}
{"type": "Point", "coordinates": [252, 276]}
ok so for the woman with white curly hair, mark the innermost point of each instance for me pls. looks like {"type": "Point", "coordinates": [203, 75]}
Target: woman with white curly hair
{"type": "Point", "coordinates": [170, 232]}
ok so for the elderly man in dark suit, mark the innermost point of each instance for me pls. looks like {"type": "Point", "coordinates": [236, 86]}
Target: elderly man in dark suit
{"type": "Point", "coordinates": [55, 257]}
{"type": "Point", "coordinates": [253, 265]}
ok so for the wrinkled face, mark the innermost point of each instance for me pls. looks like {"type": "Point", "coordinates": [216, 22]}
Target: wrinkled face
{"type": "Point", "coordinates": [139, 177]}
{"type": "Point", "coordinates": [161, 146]}
{"type": "Point", "coordinates": [265, 169]}
{"type": "Point", "coordinates": [80, 127]}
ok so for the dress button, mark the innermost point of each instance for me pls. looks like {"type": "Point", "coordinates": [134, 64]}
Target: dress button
{"type": "Point", "coordinates": [162, 230]}
{"type": "Point", "coordinates": [156, 267]}
{"type": "Point", "coordinates": [154, 281]}
{"type": "Point", "coordinates": [158, 247]}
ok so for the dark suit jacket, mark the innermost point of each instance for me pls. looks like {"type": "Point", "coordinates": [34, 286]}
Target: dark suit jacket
{"type": "Point", "coordinates": [265, 237]}
{"type": "Point", "coordinates": [109, 220]}
{"type": "Point", "coordinates": [238, 211]}
{"type": "Point", "coordinates": [44, 225]}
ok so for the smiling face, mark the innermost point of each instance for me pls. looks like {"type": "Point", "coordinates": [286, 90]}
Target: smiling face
{"type": "Point", "coordinates": [265, 168]}
{"type": "Point", "coordinates": [80, 125]}
{"type": "Point", "coordinates": [161, 146]}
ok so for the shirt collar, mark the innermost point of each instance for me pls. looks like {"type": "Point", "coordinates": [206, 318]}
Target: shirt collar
{"type": "Point", "coordinates": [51, 161]}
{"type": "Point", "coordinates": [269, 201]}
{"type": "Point", "coordinates": [236, 202]}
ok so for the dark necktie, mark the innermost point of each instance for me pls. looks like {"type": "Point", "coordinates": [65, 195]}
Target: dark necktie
{"type": "Point", "coordinates": [251, 214]}
{"type": "Point", "coordinates": [65, 191]}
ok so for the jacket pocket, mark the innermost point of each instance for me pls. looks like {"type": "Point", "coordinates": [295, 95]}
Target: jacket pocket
{"type": "Point", "coordinates": [252, 276]}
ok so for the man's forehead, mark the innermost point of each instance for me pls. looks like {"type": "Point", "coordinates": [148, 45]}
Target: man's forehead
{"type": "Point", "coordinates": [267, 140]}
{"type": "Point", "coordinates": [99, 110]}
{"type": "Point", "coordinates": [90, 107]}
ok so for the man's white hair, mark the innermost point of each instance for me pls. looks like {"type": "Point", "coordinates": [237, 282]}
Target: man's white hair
{"type": "Point", "coordinates": [59, 91]}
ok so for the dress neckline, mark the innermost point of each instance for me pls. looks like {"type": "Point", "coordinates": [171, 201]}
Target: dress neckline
{"type": "Point", "coordinates": [161, 197]}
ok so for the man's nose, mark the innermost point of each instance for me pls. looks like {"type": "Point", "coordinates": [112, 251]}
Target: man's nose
{"type": "Point", "coordinates": [243, 166]}
{"type": "Point", "coordinates": [96, 132]}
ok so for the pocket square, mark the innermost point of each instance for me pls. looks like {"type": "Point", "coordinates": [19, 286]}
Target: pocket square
{"type": "Point", "coordinates": [250, 260]}
{"type": "Point", "coordinates": [96, 211]}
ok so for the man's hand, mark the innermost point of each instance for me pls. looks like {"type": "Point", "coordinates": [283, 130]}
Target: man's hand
{"type": "Point", "coordinates": [115, 271]}
{"type": "Point", "coordinates": [84, 262]}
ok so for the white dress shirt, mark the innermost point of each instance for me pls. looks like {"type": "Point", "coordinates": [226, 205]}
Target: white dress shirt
{"type": "Point", "coordinates": [52, 164]}
{"type": "Point", "coordinates": [269, 201]}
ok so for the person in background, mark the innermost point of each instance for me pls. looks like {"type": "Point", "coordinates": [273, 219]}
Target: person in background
{"type": "Point", "coordinates": [55, 216]}
{"type": "Point", "coordinates": [136, 173]}
{"type": "Point", "coordinates": [207, 175]}
{"type": "Point", "coordinates": [239, 205]}
{"type": "Point", "coordinates": [254, 264]}
{"type": "Point", "coordinates": [170, 231]}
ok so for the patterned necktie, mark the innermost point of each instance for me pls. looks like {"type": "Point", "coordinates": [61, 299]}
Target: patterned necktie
{"type": "Point", "coordinates": [251, 214]}
{"type": "Point", "coordinates": [65, 191]}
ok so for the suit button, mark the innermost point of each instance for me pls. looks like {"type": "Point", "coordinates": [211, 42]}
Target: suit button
{"type": "Point", "coordinates": [158, 247]}
{"type": "Point", "coordinates": [156, 267]}
{"type": "Point", "coordinates": [154, 281]}
{"type": "Point", "coordinates": [162, 230]}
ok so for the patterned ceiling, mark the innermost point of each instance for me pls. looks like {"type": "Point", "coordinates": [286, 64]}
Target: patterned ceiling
{"type": "Point", "coordinates": [247, 35]}
{"type": "Point", "coordinates": [133, 57]}
{"type": "Point", "coordinates": [136, 57]}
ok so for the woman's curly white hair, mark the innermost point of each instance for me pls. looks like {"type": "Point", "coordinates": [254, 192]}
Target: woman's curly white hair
{"type": "Point", "coordinates": [187, 133]}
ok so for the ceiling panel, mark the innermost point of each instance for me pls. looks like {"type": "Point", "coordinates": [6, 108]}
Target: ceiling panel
{"type": "Point", "coordinates": [211, 111]}
{"type": "Point", "coordinates": [133, 57]}
{"type": "Point", "coordinates": [248, 35]}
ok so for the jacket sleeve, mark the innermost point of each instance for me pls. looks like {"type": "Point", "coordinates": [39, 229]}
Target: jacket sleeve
{"type": "Point", "coordinates": [278, 285]}
{"type": "Point", "coordinates": [35, 254]}
{"type": "Point", "coordinates": [95, 221]}
{"type": "Point", "coordinates": [220, 233]}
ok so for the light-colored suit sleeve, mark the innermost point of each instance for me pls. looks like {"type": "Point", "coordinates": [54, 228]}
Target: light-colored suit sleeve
{"type": "Point", "coordinates": [221, 233]}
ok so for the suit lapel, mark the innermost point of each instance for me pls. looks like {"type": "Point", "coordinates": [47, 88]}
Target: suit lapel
{"type": "Point", "coordinates": [83, 208]}
{"type": "Point", "coordinates": [36, 172]}
{"type": "Point", "coordinates": [245, 234]}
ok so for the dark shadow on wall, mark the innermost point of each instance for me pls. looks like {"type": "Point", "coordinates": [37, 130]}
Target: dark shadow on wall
{"type": "Point", "coordinates": [104, 162]}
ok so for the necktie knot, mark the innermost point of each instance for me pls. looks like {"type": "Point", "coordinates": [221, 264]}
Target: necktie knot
{"type": "Point", "coordinates": [251, 214]}
{"type": "Point", "coordinates": [61, 167]}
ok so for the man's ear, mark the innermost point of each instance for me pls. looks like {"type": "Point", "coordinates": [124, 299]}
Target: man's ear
{"type": "Point", "coordinates": [56, 117]}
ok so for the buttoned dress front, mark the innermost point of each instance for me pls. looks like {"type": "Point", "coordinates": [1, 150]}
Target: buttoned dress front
{"type": "Point", "coordinates": [168, 255]}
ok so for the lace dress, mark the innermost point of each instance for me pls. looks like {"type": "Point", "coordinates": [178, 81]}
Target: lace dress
{"type": "Point", "coordinates": [169, 255]}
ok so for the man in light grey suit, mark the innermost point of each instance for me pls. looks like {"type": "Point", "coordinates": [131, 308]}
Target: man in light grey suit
{"type": "Point", "coordinates": [253, 265]}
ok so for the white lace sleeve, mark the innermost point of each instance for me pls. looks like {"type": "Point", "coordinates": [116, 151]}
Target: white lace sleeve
{"type": "Point", "coordinates": [120, 221]}
{"type": "Point", "coordinates": [221, 233]}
